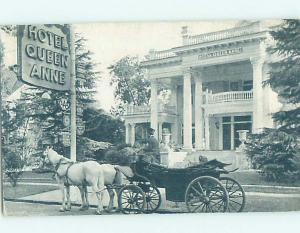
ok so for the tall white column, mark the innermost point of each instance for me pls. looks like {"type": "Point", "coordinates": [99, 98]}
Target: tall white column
{"type": "Point", "coordinates": [154, 107]}
{"type": "Point", "coordinates": [199, 124]}
{"type": "Point", "coordinates": [207, 136]}
{"type": "Point", "coordinates": [132, 137]}
{"type": "Point", "coordinates": [187, 110]}
{"type": "Point", "coordinates": [127, 135]}
{"type": "Point", "coordinates": [175, 126]}
{"type": "Point", "coordinates": [160, 131]}
{"type": "Point", "coordinates": [257, 64]}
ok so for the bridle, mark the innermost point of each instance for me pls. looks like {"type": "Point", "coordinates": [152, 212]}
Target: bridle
{"type": "Point", "coordinates": [62, 162]}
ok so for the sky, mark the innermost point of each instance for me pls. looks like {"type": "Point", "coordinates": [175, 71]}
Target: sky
{"type": "Point", "coordinates": [109, 42]}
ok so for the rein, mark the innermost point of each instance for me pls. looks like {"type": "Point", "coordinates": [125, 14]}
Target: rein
{"type": "Point", "coordinates": [66, 175]}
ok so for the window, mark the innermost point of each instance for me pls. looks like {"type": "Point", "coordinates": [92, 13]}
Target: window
{"type": "Point", "coordinates": [242, 118]}
{"type": "Point", "coordinates": [226, 119]}
{"type": "Point", "coordinates": [234, 86]}
{"type": "Point", "coordinates": [247, 85]}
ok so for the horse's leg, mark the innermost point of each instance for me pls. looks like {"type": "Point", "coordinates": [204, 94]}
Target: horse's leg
{"type": "Point", "coordinates": [62, 189]}
{"type": "Point", "coordinates": [82, 207]}
{"type": "Point", "coordinates": [98, 188]}
{"type": "Point", "coordinates": [68, 198]}
{"type": "Point", "coordinates": [111, 199]}
{"type": "Point", "coordinates": [86, 197]}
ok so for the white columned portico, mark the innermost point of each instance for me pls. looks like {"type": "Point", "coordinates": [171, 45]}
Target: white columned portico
{"type": "Point", "coordinates": [207, 137]}
{"type": "Point", "coordinates": [258, 118]}
{"type": "Point", "coordinates": [154, 107]}
{"type": "Point", "coordinates": [187, 109]}
{"type": "Point", "coordinates": [199, 124]}
{"type": "Point", "coordinates": [127, 130]}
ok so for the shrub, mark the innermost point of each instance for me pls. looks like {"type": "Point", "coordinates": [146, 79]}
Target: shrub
{"type": "Point", "coordinates": [121, 155]}
{"type": "Point", "coordinates": [13, 167]}
{"type": "Point", "coordinates": [276, 154]}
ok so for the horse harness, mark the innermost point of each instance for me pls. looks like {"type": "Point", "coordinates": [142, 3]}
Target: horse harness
{"type": "Point", "coordinates": [66, 183]}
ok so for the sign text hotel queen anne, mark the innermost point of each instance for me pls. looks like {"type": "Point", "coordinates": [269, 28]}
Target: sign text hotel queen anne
{"type": "Point", "coordinates": [44, 56]}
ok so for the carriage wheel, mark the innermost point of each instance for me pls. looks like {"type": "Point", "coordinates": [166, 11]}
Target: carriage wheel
{"type": "Point", "coordinates": [236, 193]}
{"type": "Point", "coordinates": [153, 199]}
{"type": "Point", "coordinates": [131, 199]}
{"type": "Point", "coordinates": [206, 194]}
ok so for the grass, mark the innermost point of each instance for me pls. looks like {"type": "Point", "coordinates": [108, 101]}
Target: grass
{"type": "Point", "coordinates": [23, 190]}
{"type": "Point", "coordinates": [252, 177]}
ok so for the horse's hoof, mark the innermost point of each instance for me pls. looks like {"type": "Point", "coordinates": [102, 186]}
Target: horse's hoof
{"type": "Point", "coordinates": [98, 212]}
{"type": "Point", "coordinates": [68, 209]}
{"type": "Point", "coordinates": [62, 210]}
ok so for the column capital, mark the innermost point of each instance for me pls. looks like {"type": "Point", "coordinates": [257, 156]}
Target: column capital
{"type": "Point", "coordinates": [257, 60]}
{"type": "Point", "coordinates": [187, 70]}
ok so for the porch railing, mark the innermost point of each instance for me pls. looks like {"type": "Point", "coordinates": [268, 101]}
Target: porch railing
{"type": "Point", "coordinates": [231, 96]}
{"type": "Point", "coordinates": [153, 54]}
{"type": "Point", "coordinates": [131, 110]}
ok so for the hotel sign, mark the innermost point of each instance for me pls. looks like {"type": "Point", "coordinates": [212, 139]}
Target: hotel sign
{"type": "Point", "coordinates": [44, 56]}
{"type": "Point", "coordinates": [220, 53]}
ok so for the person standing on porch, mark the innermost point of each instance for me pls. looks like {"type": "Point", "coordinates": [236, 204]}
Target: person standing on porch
{"type": "Point", "coordinates": [152, 148]}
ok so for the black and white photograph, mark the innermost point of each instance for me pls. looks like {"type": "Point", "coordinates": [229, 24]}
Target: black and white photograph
{"type": "Point", "coordinates": [150, 117]}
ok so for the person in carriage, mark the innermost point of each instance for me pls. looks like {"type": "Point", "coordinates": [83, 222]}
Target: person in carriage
{"type": "Point", "coordinates": [152, 152]}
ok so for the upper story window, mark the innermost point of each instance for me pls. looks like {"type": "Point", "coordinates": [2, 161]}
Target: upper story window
{"type": "Point", "coordinates": [247, 85]}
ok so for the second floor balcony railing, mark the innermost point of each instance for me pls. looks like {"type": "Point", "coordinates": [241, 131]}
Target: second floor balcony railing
{"type": "Point", "coordinates": [231, 96]}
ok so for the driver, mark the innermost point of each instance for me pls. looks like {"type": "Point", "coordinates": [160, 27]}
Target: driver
{"type": "Point", "coordinates": [152, 149]}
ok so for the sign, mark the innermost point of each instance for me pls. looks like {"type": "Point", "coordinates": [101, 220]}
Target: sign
{"type": "Point", "coordinates": [44, 56]}
{"type": "Point", "coordinates": [220, 53]}
{"type": "Point", "coordinates": [64, 104]}
{"type": "Point", "coordinates": [66, 138]}
{"type": "Point", "coordinates": [66, 120]}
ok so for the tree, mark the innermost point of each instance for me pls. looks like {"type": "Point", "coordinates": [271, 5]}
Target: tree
{"type": "Point", "coordinates": [101, 126]}
{"type": "Point", "coordinates": [45, 115]}
{"type": "Point", "coordinates": [285, 75]}
{"type": "Point", "coordinates": [131, 85]}
{"type": "Point", "coordinates": [276, 151]}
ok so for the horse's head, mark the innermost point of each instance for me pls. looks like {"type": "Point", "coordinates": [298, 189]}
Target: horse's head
{"type": "Point", "coordinates": [51, 156]}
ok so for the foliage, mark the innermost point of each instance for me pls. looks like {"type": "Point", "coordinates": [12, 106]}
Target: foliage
{"type": "Point", "coordinates": [284, 75]}
{"type": "Point", "coordinates": [276, 151]}
{"type": "Point", "coordinates": [276, 154]}
{"type": "Point", "coordinates": [13, 165]}
{"type": "Point", "coordinates": [122, 154]}
{"type": "Point", "coordinates": [101, 126]}
{"type": "Point", "coordinates": [131, 85]}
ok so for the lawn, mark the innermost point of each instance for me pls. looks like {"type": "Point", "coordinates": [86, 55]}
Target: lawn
{"type": "Point", "coordinates": [23, 190]}
{"type": "Point", "coordinates": [252, 177]}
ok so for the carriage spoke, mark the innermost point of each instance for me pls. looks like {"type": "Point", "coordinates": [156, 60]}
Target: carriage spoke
{"type": "Point", "coordinates": [197, 191]}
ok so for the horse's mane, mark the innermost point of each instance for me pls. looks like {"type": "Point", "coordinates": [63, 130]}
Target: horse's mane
{"type": "Point", "coordinates": [57, 154]}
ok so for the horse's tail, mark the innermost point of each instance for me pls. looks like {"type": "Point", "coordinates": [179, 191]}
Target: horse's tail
{"type": "Point", "coordinates": [100, 183]}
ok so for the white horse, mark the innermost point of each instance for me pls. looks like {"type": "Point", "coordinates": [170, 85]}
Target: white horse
{"type": "Point", "coordinates": [83, 174]}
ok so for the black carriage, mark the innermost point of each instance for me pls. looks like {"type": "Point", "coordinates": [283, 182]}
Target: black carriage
{"type": "Point", "coordinates": [201, 187]}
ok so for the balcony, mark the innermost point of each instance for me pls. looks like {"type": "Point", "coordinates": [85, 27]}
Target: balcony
{"type": "Point", "coordinates": [146, 109]}
{"type": "Point", "coordinates": [225, 97]}
{"type": "Point", "coordinates": [155, 55]}
{"type": "Point", "coordinates": [221, 35]}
